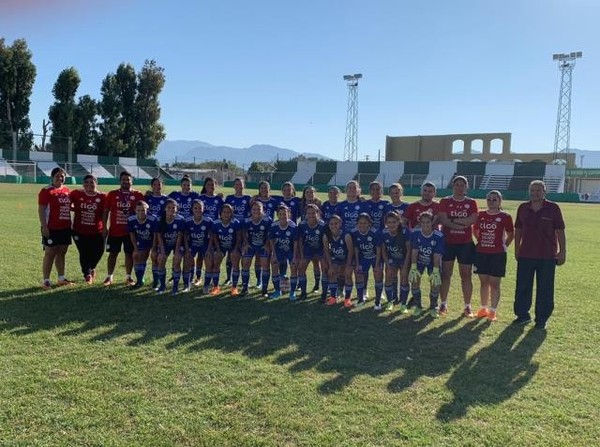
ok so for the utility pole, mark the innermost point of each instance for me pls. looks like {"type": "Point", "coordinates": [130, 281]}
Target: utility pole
{"type": "Point", "coordinates": [351, 140]}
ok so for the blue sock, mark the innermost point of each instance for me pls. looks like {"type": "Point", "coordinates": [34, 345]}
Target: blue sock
{"type": "Point", "coordinates": [207, 280]}
{"type": "Point", "coordinates": [417, 297]}
{"type": "Point", "coordinates": [187, 278]}
{"type": "Point", "coordinates": [283, 269]}
{"type": "Point", "coordinates": [154, 277]}
{"type": "Point", "coordinates": [235, 277]}
{"type": "Point", "coordinates": [333, 288]}
{"type": "Point", "coordinates": [324, 285]}
{"type": "Point", "coordinates": [215, 278]}
{"type": "Point", "coordinates": [389, 293]}
{"type": "Point", "coordinates": [378, 291]}
{"type": "Point", "coordinates": [140, 270]}
{"type": "Point", "coordinates": [228, 267]}
{"type": "Point", "coordinates": [276, 281]}
{"type": "Point", "coordinates": [257, 273]}
{"type": "Point", "coordinates": [360, 291]}
{"type": "Point", "coordinates": [245, 278]}
{"type": "Point", "coordinates": [433, 298]}
{"type": "Point", "coordinates": [162, 279]}
{"type": "Point", "coordinates": [347, 292]}
{"type": "Point", "coordinates": [176, 278]}
{"type": "Point", "coordinates": [198, 272]}
{"type": "Point", "coordinates": [395, 286]}
{"type": "Point", "coordinates": [404, 294]}
{"type": "Point", "coordinates": [301, 283]}
{"type": "Point", "coordinates": [265, 275]}
{"type": "Point", "coordinates": [317, 276]}
{"type": "Point", "coordinates": [294, 284]}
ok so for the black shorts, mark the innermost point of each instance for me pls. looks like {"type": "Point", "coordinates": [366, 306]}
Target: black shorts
{"type": "Point", "coordinates": [113, 244]}
{"type": "Point", "coordinates": [57, 237]}
{"type": "Point", "coordinates": [464, 253]}
{"type": "Point", "coordinates": [493, 264]}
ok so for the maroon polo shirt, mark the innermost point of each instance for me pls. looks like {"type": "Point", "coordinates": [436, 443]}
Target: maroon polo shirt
{"type": "Point", "coordinates": [538, 230]}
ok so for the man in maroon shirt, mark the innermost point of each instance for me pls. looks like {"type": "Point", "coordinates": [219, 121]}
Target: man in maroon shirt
{"type": "Point", "coordinates": [540, 245]}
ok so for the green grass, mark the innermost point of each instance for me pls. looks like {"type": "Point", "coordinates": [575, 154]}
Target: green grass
{"type": "Point", "coordinates": [90, 366]}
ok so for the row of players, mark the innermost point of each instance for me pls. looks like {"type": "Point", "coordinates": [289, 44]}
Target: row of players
{"type": "Point", "coordinates": [391, 238]}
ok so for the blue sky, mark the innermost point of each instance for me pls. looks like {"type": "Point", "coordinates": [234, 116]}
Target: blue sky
{"type": "Point", "coordinates": [249, 72]}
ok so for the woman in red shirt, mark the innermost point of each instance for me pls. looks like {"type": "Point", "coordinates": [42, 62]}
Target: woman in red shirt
{"type": "Point", "coordinates": [54, 212]}
{"type": "Point", "coordinates": [88, 206]}
{"type": "Point", "coordinates": [494, 231]}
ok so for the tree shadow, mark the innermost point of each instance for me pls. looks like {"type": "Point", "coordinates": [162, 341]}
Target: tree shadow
{"type": "Point", "coordinates": [495, 373]}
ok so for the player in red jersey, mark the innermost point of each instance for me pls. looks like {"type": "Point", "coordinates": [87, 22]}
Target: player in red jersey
{"type": "Point", "coordinates": [54, 212]}
{"type": "Point", "coordinates": [494, 231]}
{"type": "Point", "coordinates": [120, 204]}
{"type": "Point", "coordinates": [88, 206]}
{"type": "Point", "coordinates": [457, 214]}
{"type": "Point", "coordinates": [427, 203]}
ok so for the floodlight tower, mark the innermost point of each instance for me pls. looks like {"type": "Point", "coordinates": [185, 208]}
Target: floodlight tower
{"type": "Point", "coordinates": [562, 137]}
{"type": "Point", "coordinates": [351, 141]}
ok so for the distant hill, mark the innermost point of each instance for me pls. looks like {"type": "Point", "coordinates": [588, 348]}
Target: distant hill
{"type": "Point", "coordinates": [199, 151]}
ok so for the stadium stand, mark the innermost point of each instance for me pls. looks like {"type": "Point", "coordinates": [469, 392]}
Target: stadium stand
{"type": "Point", "coordinates": [345, 171]}
{"type": "Point", "coordinates": [6, 169]}
{"type": "Point", "coordinates": [473, 171]}
{"type": "Point", "coordinates": [92, 166]}
{"type": "Point", "coordinates": [131, 165]}
{"type": "Point", "coordinates": [367, 172]}
{"type": "Point", "coordinates": [497, 176]}
{"type": "Point", "coordinates": [325, 170]}
{"type": "Point", "coordinates": [524, 173]}
{"type": "Point", "coordinates": [304, 172]}
{"type": "Point", "coordinates": [441, 172]}
{"type": "Point", "coordinates": [390, 172]}
{"type": "Point", "coordinates": [415, 173]}
{"type": "Point", "coordinates": [554, 178]}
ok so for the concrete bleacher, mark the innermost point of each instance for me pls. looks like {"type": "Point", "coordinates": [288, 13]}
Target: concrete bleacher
{"type": "Point", "coordinates": [367, 172]}
{"type": "Point", "coordinates": [497, 176]}
{"type": "Point", "coordinates": [344, 173]}
{"type": "Point", "coordinates": [473, 171]}
{"type": "Point", "coordinates": [415, 173]}
{"type": "Point", "coordinates": [390, 172]}
{"type": "Point", "coordinates": [324, 172]}
{"type": "Point", "coordinates": [524, 173]}
{"type": "Point", "coordinates": [305, 171]}
{"type": "Point", "coordinates": [6, 169]}
{"type": "Point", "coordinates": [440, 172]}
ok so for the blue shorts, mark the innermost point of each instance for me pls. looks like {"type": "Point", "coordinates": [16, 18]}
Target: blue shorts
{"type": "Point", "coordinates": [144, 245]}
{"type": "Point", "coordinates": [367, 264]}
{"type": "Point", "coordinates": [394, 262]}
{"type": "Point", "coordinates": [254, 251]}
{"type": "Point", "coordinates": [283, 257]}
{"type": "Point", "coordinates": [421, 268]}
{"type": "Point", "coordinates": [226, 251]}
{"type": "Point", "coordinates": [169, 250]}
{"type": "Point", "coordinates": [311, 253]}
{"type": "Point", "coordinates": [195, 251]}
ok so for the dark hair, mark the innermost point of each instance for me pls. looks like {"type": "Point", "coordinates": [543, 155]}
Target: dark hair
{"type": "Point", "coordinates": [327, 229]}
{"type": "Point", "coordinates": [125, 173]}
{"type": "Point", "coordinates": [206, 180]}
{"type": "Point", "coordinates": [57, 170]}
{"type": "Point", "coordinates": [185, 178]}
{"type": "Point", "coordinates": [226, 206]}
{"type": "Point", "coordinates": [399, 238]}
{"type": "Point", "coordinates": [88, 177]}
{"type": "Point", "coordinates": [143, 203]}
{"type": "Point", "coordinates": [263, 182]}
{"type": "Point", "coordinates": [155, 179]}
{"type": "Point", "coordinates": [364, 216]}
{"type": "Point", "coordinates": [428, 214]}
{"type": "Point", "coordinates": [428, 185]}
{"type": "Point", "coordinates": [290, 184]}
{"type": "Point", "coordinates": [312, 206]}
{"type": "Point", "coordinates": [303, 203]}
{"type": "Point", "coordinates": [163, 215]}
{"type": "Point", "coordinates": [241, 180]}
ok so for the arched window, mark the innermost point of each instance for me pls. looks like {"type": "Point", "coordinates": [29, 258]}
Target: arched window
{"type": "Point", "coordinates": [496, 146]}
{"type": "Point", "coordinates": [477, 147]}
{"type": "Point", "coordinates": [458, 147]}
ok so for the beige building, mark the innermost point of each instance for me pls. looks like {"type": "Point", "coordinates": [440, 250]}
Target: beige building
{"type": "Point", "coordinates": [463, 147]}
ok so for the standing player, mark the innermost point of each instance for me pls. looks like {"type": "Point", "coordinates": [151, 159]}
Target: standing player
{"type": "Point", "coordinates": [395, 256]}
{"type": "Point", "coordinates": [54, 213]}
{"type": "Point", "coordinates": [169, 239]}
{"type": "Point", "coordinates": [255, 234]}
{"type": "Point", "coordinates": [239, 201]}
{"type": "Point", "coordinates": [269, 202]}
{"type": "Point", "coordinates": [212, 201]}
{"type": "Point", "coordinates": [494, 231]}
{"type": "Point", "coordinates": [352, 207]}
{"type": "Point", "coordinates": [142, 230]}
{"type": "Point", "coordinates": [120, 204]}
{"type": "Point", "coordinates": [156, 201]}
{"type": "Point", "coordinates": [426, 203]}
{"type": "Point", "coordinates": [427, 247]}
{"type": "Point", "coordinates": [308, 197]}
{"type": "Point", "coordinates": [185, 197]}
{"type": "Point", "coordinates": [283, 243]}
{"type": "Point", "coordinates": [457, 214]}
{"type": "Point", "coordinates": [339, 253]}
{"type": "Point", "coordinates": [377, 206]}
{"type": "Point", "coordinates": [88, 206]}
{"type": "Point", "coordinates": [366, 246]}
{"type": "Point", "coordinates": [329, 207]}
{"type": "Point", "coordinates": [397, 205]}
{"type": "Point", "coordinates": [289, 199]}
{"type": "Point", "coordinates": [197, 244]}
{"type": "Point", "coordinates": [226, 240]}
{"type": "Point", "coordinates": [310, 237]}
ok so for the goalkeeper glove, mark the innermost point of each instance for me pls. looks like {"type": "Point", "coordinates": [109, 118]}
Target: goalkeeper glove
{"type": "Point", "coordinates": [435, 278]}
{"type": "Point", "coordinates": [413, 274]}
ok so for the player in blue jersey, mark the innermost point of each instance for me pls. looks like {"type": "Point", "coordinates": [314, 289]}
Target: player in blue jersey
{"type": "Point", "coordinates": [255, 236]}
{"type": "Point", "coordinates": [269, 202]}
{"type": "Point", "coordinates": [226, 240]}
{"type": "Point", "coordinates": [330, 206]}
{"type": "Point", "coordinates": [142, 228]}
{"type": "Point", "coordinates": [212, 201]}
{"type": "Point", "coordinates": [395, 191]}
{"type": "Point", "coordinates": [309, 197]}
{"type": "Point", "coordinates": [239, 201]}
{"type": "Point", "coordinates": [427, 247]}
{"type": "Point", "coordinates": [283, 243]}
{"type": "Point", "coordinates": [169, 239]}
{"type": "Point", "coordinates": [197, 244]}
{"type": "Point", "coordinates": [377, 206]}
{"type": "Point", "coordinates": [339, 253]}
{"type": "Point", "coordinates": [310, 243]}
{"type": "Point", "coordinates": [156, 201]}
{"type": "Point", "coordinates": [366, 245]}
{"type": "Point", "coordinates": [395, 256]}
{"type": "Point", "coordinates": [185, 197]}
{"type": "Point", "coordinates": [352, 207]}
{"type": "Point", "coordinates": [289, 199]}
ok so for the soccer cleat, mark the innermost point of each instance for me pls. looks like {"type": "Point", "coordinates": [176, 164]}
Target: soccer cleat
{"type": "Point", "coordinates": [258, 285]}
{"type": "Point", "coordinates": [522, 320]}
{"type": "Point", "coordinates": [403, 309]}
{"type": "Point", "coordinates": [303, 296]}
{"type": "Point", "coordinates": [315, 288]}
{"type": "Point", "coordinates": [292, 296]}
{"type": "Point", "coordinates": [107, 282]}
{"type": "Point", "coordinates": [198, 282]}
{"type": "Point", "coordinates": [226, 283]}
{"type": "Point", "coordinates": [361, 303]}
{"type": "Point", "coordinates": [483, 312]}
{"type": "Point", "coordinates": [88, 279]}
{"type": "Point", "coordinates": [433, 313]}
{"type": "Point", "coordinates": [491, 316]}
{"type": "Point", "coordinates": [46, 285]}
{"type": "Point", "coordinates": [137, 285]}
{"type": "Point", "coordinates": [185, 290]}
{"type": "Point", "coordinates": [377, 307]}
{"type": "Point", "coordinates": [390, 306]}
{"type": "Point", "coordinates": [276, 294]}
{"type": "Point", "coordinates": [468, 313]}
{"type": "Point", "coordinates": [541, 325]}
{"type": "Point", "coordinates": [331, 301]}
{"type": "Point", "coordinates": [64, 282]}
{"type": "Point", "coordinates": [234, 292]}
{"type": "Point", "coordinates": [244, 291]}
{"type": "Point", "coordinates": [160, 290]}
{"type": "Point", "coordinates": [93, 274]}
{"type": "Point", "coordinates": [130, 282]}
{"type": "Point", "coordinates": [347, 303]}
{"type": "Point", "coordinates": [443, 309]}
{"type": "Point", "coordinates": [417, 311]}
{"type": "Point", "coordinates": [215, 291]}
{"type": "Point", "coordinates": [265, 295]}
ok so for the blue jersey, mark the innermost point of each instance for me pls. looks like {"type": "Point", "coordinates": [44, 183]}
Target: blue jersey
{"type": "Point", "coordinates": [199, 233]}
{"type": "Point", "coordinates": [366, 244]}
{"type": "Point", "coordinates": [338, 249]}
{"type": "Point", "coordinates": [156, 204]}
{"type": "Point", "coordinates": [328, 210]}
{"type": "Point", "coordinates": [293, 203]}
{"type": "Point", "coordinates": [395, 245]}
{"type": "Point", "coordinates": [283, 238]}
{"type": "Point", "coordinates": [377, 212]}
{"type": "Point", "coordinates": [269, 206]}
{"type": "Point", "coordinates": [170, 231]}
{"type": "Point", "coordinates": [226, 234]}
{"type": "Point", "coordinates": [349, 213]}
{"type": "Point", "coordinates": [241, 206]}
{"type": "Point", "coordinates": [212, 205]}
{"type": "Point", "coordinates": [144, 231]}
{"type": "Point", "coordinates": [184, 202]}
{"type": "Point", "coordinates": [258, 233]}
{"type": "Point", "coordinates": [400, 208]}
{"type": "Point", "coordinates": [311, 238]}
{"type": "Point", "coordinates": [427, 246]}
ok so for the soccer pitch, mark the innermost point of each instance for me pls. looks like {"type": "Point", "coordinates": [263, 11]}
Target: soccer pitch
{"type": "Point", "coordinates": [87, 365]}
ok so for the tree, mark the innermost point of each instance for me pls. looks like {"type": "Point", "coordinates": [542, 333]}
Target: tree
{"type": "Point", "coordinates": [151, 132]}
{"type": "Point", "coordinates": [85, 125]}
{"type": "Point", "coordinates": [110, 130]}
{"type": "Point", "coordinates": [126, 79]}
{"type": "Point", "coordinates": [17, 76]}
{"type": "Point", "coordinates": [62, 112]}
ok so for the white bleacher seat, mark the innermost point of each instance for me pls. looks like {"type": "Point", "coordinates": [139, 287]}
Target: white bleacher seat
{"type": "Point", "coordinates": [441, 172]}
{"type": "Point", "coordinates": [346, 170]}
{"type": "Point", "coordinates": [390, 172]}
{"type": "Point", "coordinates": [304, 172]}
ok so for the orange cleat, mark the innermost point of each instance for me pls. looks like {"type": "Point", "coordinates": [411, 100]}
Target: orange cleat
{"type": "Point", "coordinates": [215, 291]}
{"type": "Point", "coordinates": [492, 315]}
{"type": "Point", "coordinates": [234, 291]}
{"type": "Point", "coordinates": [483, 312]}
{"type": "Point", "coordinates": [331, 301]}
{"type": "Point", "coordinates": [347, 303]}
{"type": "Point", "coordinates": [64, 282]}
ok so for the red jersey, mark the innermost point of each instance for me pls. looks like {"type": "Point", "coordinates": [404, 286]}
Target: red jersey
{"type": "Point", "coordinates": [490, 231]}
{"type": "Point", "coordinates": [414, 211]}
{"type": "Point", "coordinates": [88, 211]}
{"type": "Point", "coordinates": [121, 205]}
{"type": "Point", "coordinates": [57, 207]}
{"type": "Point", "coordinates": [458, 209]}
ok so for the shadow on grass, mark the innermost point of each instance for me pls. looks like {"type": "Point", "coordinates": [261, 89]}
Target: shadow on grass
{"type": "Point", "coordinates": [305, 336]}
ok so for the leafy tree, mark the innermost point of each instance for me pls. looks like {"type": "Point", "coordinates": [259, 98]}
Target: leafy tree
{"type": "Point", "coordinates": [110, 130]}
{"type": "Point", "coordinates": [85, 125]}
{"type": "Point", "coordinates": [17, 76]}
{"type": "Point", "coordinates": [127, 83]}
{"type": "Point", "coordinates": [62, 112]}
{"type": "Point", "coordinates": [151, 132]}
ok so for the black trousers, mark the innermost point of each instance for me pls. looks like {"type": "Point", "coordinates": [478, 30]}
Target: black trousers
{"type": "Point", "coordinates": [543, 271]}
{"type": "Point", "coordinates": [91, 248]}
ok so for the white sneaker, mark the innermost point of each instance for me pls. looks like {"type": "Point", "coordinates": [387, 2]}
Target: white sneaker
{"type": "Point", "coordinates": [377, 307]}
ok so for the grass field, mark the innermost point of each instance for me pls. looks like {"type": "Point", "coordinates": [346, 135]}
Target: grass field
{"type": "Point", "coordinates": [90, 366]}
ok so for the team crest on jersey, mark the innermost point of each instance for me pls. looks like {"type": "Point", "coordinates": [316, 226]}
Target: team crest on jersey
{"type": "Point", "coordinates": [243, 202]}
{"type": "Point", "coordinates": [131, 197]}
{"type": "Point", "coordinates": [262, 227]}
{"type": "Point", "coordinates": [189, 199]}
{"type": "Point", "coordinates": [162, 202]}
{"type": "Point", "coordinates": [498, 219]}
{"type": "Point", "coordinates": [380, 207]}
{"type": "Point", "coordinates": [98, 200]}
{"type": "Point", "coordinates": [230, 230]}
{"type": "Point", "coordinates": [50, 241]}
{"type": "Point", "coordinates": [203, 228]}
{"type": "Point", "coordinates": [287, 233]}
{"type": "Point", "coordinates": [467, 206]}
{"type": "Point", "coordinates": [174, 226]}
{"type": "Point", "coordinates": [433, 243]}
{"type": "Point", "coordinates": [317, 232]}
{"type": "Point", "coordinates": [76, 237]}
{"type": "Point", "coordinates": [356, 207]}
